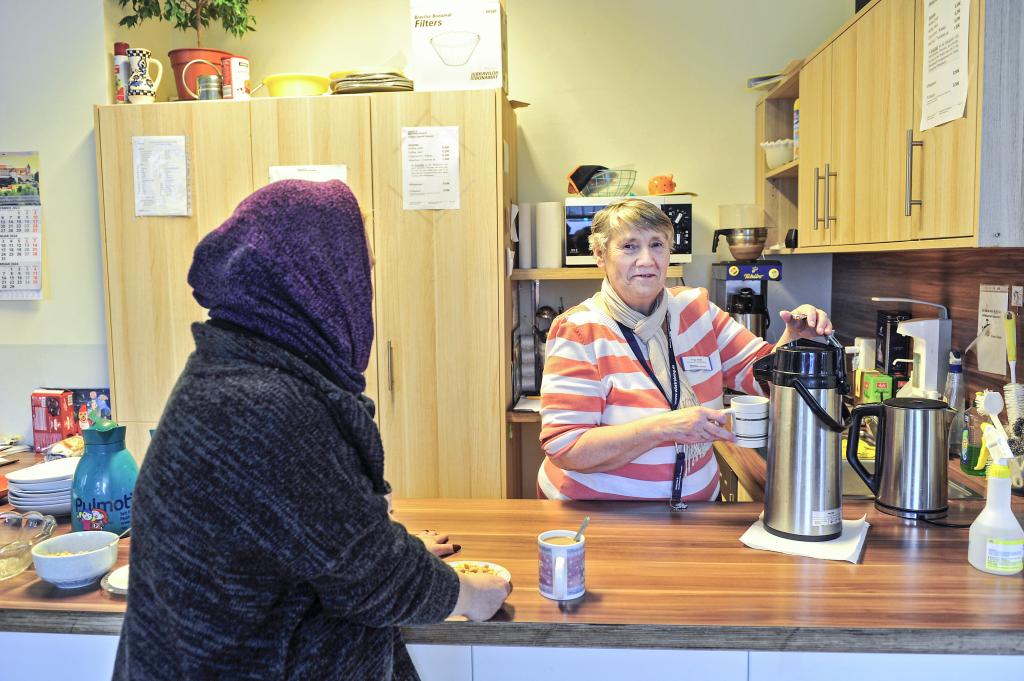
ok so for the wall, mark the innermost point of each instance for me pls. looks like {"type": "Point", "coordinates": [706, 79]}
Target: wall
{"type": "Point", "coordinates": [55, 71]}
{"type": "Point", "coordinates": [658, 85]}
{"type": "Point", "coordinates": [948, 277]}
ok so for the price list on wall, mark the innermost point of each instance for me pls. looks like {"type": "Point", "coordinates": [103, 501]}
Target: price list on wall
{"type": "Point", "coordinates": [21, 228]}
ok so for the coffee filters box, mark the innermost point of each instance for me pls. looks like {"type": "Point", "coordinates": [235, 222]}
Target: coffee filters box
{"type": "Point", "coordinates": [458, 45]}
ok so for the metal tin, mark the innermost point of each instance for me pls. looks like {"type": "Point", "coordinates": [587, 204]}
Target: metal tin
{"type": "Point", "coordinates": [209, 87]}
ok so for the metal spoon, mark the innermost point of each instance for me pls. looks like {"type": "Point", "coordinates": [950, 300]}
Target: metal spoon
{"type": "Point", "coordinates": [583, 526]}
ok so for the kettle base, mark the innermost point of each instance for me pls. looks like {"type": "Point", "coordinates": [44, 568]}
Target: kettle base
{"type": "Point", "coordinates": [912, 515]}
{"type": "Point", "coordinates": [802, 537]}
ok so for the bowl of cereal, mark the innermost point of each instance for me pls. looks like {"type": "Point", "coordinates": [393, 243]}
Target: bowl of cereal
{"type": "Point", "coordinates": [480, 567]}
{"type": "Point", "coordinates": [76, 559]}
{"type": "Point", "coordinates": [18, 533]}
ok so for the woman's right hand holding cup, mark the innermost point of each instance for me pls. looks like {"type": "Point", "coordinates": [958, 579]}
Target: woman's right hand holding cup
{"type": "Point", "coordinates": [696, 425]}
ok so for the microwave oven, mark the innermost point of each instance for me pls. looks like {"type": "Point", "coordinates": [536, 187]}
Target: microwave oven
{"type": "Point", "coordinates": [580, 211]}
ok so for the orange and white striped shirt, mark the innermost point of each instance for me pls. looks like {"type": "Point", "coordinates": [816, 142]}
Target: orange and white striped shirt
{"type": "Point", "coordinates": [592, 379]}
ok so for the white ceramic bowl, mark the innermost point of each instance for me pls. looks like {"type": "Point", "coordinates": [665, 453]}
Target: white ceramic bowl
{"type": "Point", "coordinates": [777, 153]}
{"type": "Point", "coordinates": [92, 555]}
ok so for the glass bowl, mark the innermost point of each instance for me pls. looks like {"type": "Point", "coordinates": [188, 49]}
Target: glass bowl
{"type": "Point", "coordinates": [19, 532]}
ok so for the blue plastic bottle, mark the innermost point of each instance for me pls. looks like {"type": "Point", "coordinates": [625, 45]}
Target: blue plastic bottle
{"type": "Point", "coordinates": [101, 492]}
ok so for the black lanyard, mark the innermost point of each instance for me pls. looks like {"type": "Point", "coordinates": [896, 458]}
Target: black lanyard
{"type": "Point", "coordinates": [679, 470]}
{"type": "Point", "coordinates": [673, 372]}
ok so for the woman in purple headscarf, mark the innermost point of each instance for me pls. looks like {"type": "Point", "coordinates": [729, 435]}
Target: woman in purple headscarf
{"type": "Point", "coordinates": [262, 545]}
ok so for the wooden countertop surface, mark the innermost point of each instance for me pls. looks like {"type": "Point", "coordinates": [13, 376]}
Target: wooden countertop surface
{"type": "Point", "coordinates": [675, 580]}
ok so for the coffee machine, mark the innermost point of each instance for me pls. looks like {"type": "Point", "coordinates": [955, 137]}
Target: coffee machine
{"type": "Point", "coordinates": [740, 286]}
{"type": "Point", "coordinates": [741, 289]}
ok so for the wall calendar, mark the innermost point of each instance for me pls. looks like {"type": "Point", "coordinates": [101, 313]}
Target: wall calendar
{"type": "Point", "coordinates": [21, 227]}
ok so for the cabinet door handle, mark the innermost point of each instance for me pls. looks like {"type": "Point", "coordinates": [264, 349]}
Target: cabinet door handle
{"type": "Point", "coordinates": [391, 373]}
{"type": "Point", "coordinates": [911, 143]}
{"type": "Point", "coordinates": [828, 195]}
{"type": "Point", "coordinates": [817, 181]}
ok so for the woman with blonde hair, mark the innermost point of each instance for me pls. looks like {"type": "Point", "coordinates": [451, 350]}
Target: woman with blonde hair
{"type": "Point", "coordinates": [632, 395]}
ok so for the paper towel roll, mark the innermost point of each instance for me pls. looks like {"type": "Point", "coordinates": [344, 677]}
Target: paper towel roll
{"type": "Point", "coordinates": [550, 232]}
{"type": "Point", "coordinates": [525, 236]}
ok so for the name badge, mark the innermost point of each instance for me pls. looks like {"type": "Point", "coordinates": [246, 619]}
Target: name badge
{"type": "Point", "coordinates": [696, 364]}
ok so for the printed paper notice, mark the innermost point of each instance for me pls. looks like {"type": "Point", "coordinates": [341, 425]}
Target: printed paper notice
{"type": "Point", "coordinates": [430, 168]}
{"type": "Point", "coordinates": [991, 348]}
{"type": "Point", "coordinates": [312, 173]}
{"type": "Point", "coordinates": [944, 76]}
{"type": "Point", "coordinates": [21, 227]}
{"type": "Point", "coordinates": [160, 167]}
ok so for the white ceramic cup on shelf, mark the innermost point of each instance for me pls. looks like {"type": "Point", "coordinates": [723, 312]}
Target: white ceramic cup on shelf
{"type": "Point", "coordinates": [750, 420]}
{"type": "Point", "coordinates": [560, 567]}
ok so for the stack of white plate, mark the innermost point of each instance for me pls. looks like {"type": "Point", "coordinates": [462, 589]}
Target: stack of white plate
{"type": "Point", "coordinates": [45, 487]}
{"type": "Point", "coordinates": [352, 82]}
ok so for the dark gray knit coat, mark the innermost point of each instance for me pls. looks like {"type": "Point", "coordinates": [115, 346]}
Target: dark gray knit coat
{"type": "Point", "coordinates": [261, 543]}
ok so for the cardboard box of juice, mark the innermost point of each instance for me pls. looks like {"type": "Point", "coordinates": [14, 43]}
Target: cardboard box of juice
{"type": "Point", "coordinates": [53, 417]}
{"type": "Point", "coordinates": [875, 387]}
{"type": "Point", "coordinates": [458, 45]}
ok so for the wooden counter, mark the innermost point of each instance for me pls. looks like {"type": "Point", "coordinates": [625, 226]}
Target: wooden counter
{"type": "Point", "coordinates": [658, 579]}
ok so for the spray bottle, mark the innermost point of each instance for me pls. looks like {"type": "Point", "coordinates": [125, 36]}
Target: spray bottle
{"type": "Point", "coordinates": [996, 537]}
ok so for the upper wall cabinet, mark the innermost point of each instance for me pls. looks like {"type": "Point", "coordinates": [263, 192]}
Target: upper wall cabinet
{"type": "Point", "coordinates": [943, 168]}
{"type": "Point", "coordinates": [870, 179]}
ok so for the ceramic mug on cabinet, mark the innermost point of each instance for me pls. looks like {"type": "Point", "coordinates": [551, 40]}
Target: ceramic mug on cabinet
{"type": "Point", "coordinates": [561, 565]}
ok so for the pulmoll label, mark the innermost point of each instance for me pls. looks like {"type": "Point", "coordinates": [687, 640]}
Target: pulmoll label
{"type": "Point", "coordinates": [830, 516]}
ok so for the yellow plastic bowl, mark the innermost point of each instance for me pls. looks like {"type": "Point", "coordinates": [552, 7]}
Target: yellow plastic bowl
{"type": "Point", "coordinates": [296, 85]}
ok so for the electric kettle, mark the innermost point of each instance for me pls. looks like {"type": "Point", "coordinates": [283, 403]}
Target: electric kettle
{"type": "Point", "coordinates": [911, 456]}
{"type": "Point", "coordinates": [803, 489]}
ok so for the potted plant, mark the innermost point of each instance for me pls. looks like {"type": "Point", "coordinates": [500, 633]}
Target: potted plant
{"type": "Point", "coordinates": [193, 15]}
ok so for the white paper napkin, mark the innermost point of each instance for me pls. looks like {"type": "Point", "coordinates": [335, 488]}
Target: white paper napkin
{"type": "Point", "coordinates": [847, 546]}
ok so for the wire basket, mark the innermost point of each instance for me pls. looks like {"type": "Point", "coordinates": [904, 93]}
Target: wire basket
{"type": "Point", "coordinates": [610, 183]}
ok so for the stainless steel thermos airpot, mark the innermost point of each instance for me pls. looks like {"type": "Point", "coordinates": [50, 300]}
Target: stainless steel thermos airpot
{"type": "Point", "coordinates": [803, 490]}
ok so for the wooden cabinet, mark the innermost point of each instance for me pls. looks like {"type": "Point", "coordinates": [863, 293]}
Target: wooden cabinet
{"type": "Point", "coordinates": [945, 166]}
{"type": "Point", "coordinates": [439, 373]}
{"type": "Point", "coordinates": [438, 278]}
{"type": "Point", "coordinates": [149, 305]}
{"type": "Point", "coordinates": [880, 93]}
{"type": "Point", "coordinates": [896, 187]}
{"type": "Point", "coordinates": [855, 97]}
{"type": "Point", "coordinates": [815, 147]}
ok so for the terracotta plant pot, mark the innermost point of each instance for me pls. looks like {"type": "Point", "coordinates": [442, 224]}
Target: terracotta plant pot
{"type": "Point", "coordinates": [182, 56]}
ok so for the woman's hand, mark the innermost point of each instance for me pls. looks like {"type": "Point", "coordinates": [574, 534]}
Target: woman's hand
{"type": "Point", "coordinates": [695, 425]}
{"type": "Point", "coordinates": [437, 543]}
{"type": "Point", "coordinates": [480, 595]}
{"type": "Point", "coordinates": [805, 321]}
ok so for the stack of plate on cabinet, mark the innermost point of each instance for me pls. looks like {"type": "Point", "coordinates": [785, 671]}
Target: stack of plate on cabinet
{"type": "Point", "coordinates": [353, 82]}
{"type": "Point", "coordinates": [45, 487]}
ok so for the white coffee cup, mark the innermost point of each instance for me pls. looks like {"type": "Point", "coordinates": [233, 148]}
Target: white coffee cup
{"type": "Point", "coordinates": [750, 420]}
{"type": "Point", "coordinates": [560, 568]}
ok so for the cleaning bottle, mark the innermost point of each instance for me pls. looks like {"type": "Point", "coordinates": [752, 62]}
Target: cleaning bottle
{"type": "Point", "coordinates": [996, 542]}
{"type": "Point", "coordinates": [971, 440]}
{"type": "Point", "coordinates": [953, 394]}
{"type": "Point", "coordinates": [101, 491]}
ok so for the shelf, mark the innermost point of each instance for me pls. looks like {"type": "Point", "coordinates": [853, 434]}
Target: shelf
{"type": "Point", "coordinates": [790, 169]}
{"type": "Point", "coordinates": [523, 417]}
{"type": "Point", "coordinates": [577, 273]}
